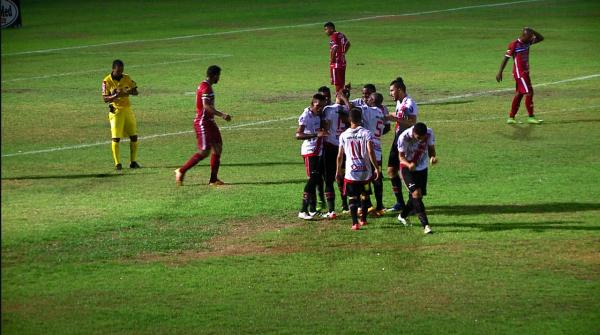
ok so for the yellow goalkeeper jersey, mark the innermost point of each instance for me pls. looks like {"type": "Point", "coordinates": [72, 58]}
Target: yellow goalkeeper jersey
{"type": "Point", "coordinates": [109, 85]}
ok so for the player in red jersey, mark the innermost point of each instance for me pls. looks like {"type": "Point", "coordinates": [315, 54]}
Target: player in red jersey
{"type": "Point", "coordinates": [338, 47]}
{"type": "Point", "coordinates": [519, 51]}
{"type": "Point", "coordinates": [207, 131]}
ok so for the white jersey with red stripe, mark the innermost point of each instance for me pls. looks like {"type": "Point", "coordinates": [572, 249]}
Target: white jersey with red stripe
{"type": "Point", "coordinates": [405, 108]}
{"type": "Point", "coordinates": [358, 102]}
{"type": "Point", "coordinates": [354, 141]}
{"type": "Point", "coordinates": [312, 124]}
{"type": "Point", "coordinates": [331, 114]}
{"type": "Point", "coordinates": [414, 150]}
{"type": "Point", "coordinates": [374, 121]}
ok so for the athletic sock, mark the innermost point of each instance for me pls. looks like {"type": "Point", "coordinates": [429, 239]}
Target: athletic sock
{"type": "Point", "coordinates": [215, 162]}
{"type": "Point", "coordinates": [420, 209]}
{"type": "Point", "coordinates": [408, 208]}
{"type": "Point", "coordinates": [115, 152]}
{"type": "Point", "coordinates": [365, 208]}
{"type": "Point", "coordinates": [515, 105]}
{"type": "Point", "coordinates": [330, 196]}
{"type": "Point", "coordinates": [312, 202]}
{"type": "Point", "coordinates": [133, 148]}
{"type": "Point", "coordinates": [340, 183]}
{"type": "Point", "coordinates": [378, 189]}
{"type": "Point", "coordinates": [320, 190]}
{"type": "Point", "coordinates": [305, 197]}
{"type": "Point", "coordinates": [191, 162]}
{"type": "Point", "coordinates": [354, 203]}
{"type": "Point", "coordinates": [529, 104]}
{"type": "Point", "coordinates": [397, 189]}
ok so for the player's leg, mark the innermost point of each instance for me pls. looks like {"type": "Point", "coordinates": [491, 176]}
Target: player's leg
{"type": "Point", "coordinates": [516, 102]}
{"type": "Point", "coordinates": [352, 191]}
{"type": "Point", "coordinates": [308, 209]}
{"type": "Point", "coordinates": [340, 79]}
{"type": "Point", "coordinates": [130, 127]}
{"type": "Point", "coordinates": [378, 189]}
{"type": "Point", "coordinates": [215, 158]}
{"type": "Point", "coordinates": [529, 101]}
{"type": "Point", "coordinates": [321, 185]}
{"type": "Point", "coordinates": [116, 129]}
{"type": "Point", "coordinates": [203, 152]}
{"type": "Point", "coordinates": [365, 203]}
{"type": "Point", "coordinates": [340, 182]}
{"type": "Point", "coordinates": [392, 171]}
{"type": "Point", "coordinates": [417, 183]}
{"type": "Point", "coordinates": [330, 155]}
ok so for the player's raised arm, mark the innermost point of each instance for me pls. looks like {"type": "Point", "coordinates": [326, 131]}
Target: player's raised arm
{"type": "Point", "coordinates": [537, 36]}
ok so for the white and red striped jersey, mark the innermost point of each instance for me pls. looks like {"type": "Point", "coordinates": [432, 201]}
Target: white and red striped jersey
{"type": "Point", "coordinates": [331, 114]}
{"type": "Point", "coordinates": [374, 121]}
{"type": "Point", "coordinates": [519, 51]}
{"type": "Point", "coordinates": [312, 124]}
{"type": "Point", "coordinates": [204, 94]}
{"type": "Point", "coordinates": [405, 108]}
{"type": "Point", "coordinates": [358, 164]}
{"type": "Point", "coordinates": [414, 150]}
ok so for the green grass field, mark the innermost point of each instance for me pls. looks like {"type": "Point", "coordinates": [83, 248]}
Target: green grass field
{"type": "Point", "coordinates": [515, 209]}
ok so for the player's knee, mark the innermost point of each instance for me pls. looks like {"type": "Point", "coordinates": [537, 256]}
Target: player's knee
{"type": "Point", "coordinates": [133, 138]}
{"type": "Point", "coordinates": [116, 140]}
{"type": "Point", "coordinates": [392, 172]}
{"type": "Point", "coordinates": [417, 194]}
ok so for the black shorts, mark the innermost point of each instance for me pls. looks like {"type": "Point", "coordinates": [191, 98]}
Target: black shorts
{"type": "Point", "coordinates": [356, 189]}
{"type": "Point", "coordinates": [311, 164]}
{"type": "Point", "coordinates": [394, 159]}
{"type": "Point", "coordinates": [414, 180]}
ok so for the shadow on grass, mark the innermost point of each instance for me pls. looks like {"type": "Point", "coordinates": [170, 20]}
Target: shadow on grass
{"type": "Point", "coordinates": [206, 162]}
{"type": "Point", "coordinates": [444, 103]}
{"type": "Point", "coordinates": [71, 176]}
{"type": "Point", "coordinates": [273, 182]}
{"type": "Point", "coordinates": [520, 132]}
{"type": "Point", "coordinates": [551, 207]}
{"type": "Point", "coordinates": [504, 226]}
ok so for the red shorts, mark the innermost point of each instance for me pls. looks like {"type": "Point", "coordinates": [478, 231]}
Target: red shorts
{"type": "Point", "coordinates": [524, 84]}
{"type": "Point", "coordinates": [338, 77]}
{"type": "Point", "coordinates": [207, 135]}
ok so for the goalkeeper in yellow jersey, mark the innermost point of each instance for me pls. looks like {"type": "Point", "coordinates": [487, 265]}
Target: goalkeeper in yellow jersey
{"type": "Point", "coordinates": [116, 89]}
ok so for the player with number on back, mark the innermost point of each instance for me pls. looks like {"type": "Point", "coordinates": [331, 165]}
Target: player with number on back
{"type": "Point", "coordinates": [415, 147]}
{"type": "Point", "coordinates": [519, 51]}
{"type": "Point", "coordinates": [357, 144]}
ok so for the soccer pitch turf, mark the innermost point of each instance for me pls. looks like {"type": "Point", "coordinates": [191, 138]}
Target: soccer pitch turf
{"type": "Point", "coordinates": [515, 209]}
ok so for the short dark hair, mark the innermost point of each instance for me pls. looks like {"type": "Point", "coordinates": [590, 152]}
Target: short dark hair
{"type": "Point", "coordinates": [370, 87]}
{"type": "Point", "coordinates": [398, 83]}
{"type": "Point", "coordinates": [324, 89]}
{"type": "Point", "coordinates": [117, 62]}
{"type": "Point", "coordinates": [378, 97]}
{"type": "Point", "coordinates": [213, 70]}
{"type": "Point", "coordinates": [356, 115]}
{"type": "Point", "coordinates": [420, 129]}
{"type": "Point", "coordinates": [329, 24]}
{"type": "Point", "coordinates": [319, 97]}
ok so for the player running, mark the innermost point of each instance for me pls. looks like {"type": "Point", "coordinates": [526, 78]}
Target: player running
{"type": "Point", "coordinates": [338, 47]}
{"type": "Point", "coordinates": [405, 117]}
{"type": "Point", "coordinates": [357, 144]}
{"type": "Point", "coordinates": [374, 119]}
{"type": "Point", "coordinates": [335, 117]}
{"type": "Point", "coordinates": [415, 147]}
{"type": "Point", "coordinates": [208, 135]}
{"type": "Point", "coordinates": [310, 131]}
{"type": "Point", "coordinates": [367, 90]}
{"type": "Point", "coordinates": [519, 51]}
{"type": "Point", "coordinates": [116, 89]}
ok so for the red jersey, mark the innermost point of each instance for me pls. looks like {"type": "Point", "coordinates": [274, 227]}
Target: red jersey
{"type": "Point", "coordinates": [337, 46]}
{"type": "Point", "coordinates": [519, 51]}
{"type": "Point", "coordinates": [204, 94]}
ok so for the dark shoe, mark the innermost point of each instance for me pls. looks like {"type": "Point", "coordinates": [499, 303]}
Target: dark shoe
{"type": "Point", "coordinates": [134, 165]}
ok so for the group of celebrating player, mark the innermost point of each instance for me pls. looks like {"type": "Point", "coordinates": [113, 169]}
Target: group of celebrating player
{"type": "Point", "coordinates": [341, 139]}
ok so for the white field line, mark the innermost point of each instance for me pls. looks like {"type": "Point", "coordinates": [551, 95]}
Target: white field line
{"type": "Point", "coordinates": [64, 74]}
{"type": "Point", "coordinates": [248, 30]}
{"type": "Point", "coordinates": [80, 146]}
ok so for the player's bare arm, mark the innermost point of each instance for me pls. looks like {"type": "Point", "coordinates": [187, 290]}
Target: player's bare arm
{"type": "Point", "coordinates": [332, 54]}
{"type": "Point", "coordinates": [538, 36]}
{"type": "Point", "coordinates": [300, 135]}
{"type": "Point", "coordinates": [373, 158]}
{"type": "Point", "coordinates": [132, 91]}
{"type": "Point", "coordinates": [210, 107]}
{"type": "Point", "coordinates": [340, 162]}
{"type": "Point", "coordinates": [410, 165]}
{"type": "Point", "coordinates": [347, 46]}
{"type": "Point", "coordinates": [408, 122]}
{"type": "Point", "coordinates": [433, 158]}
{"type": "Point", "coordinates": [111, 97]}
{"type": "Point", "coordinates": [502, 66]}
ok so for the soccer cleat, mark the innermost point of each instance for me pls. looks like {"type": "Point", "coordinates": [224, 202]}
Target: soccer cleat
{"type": "Point", "coordinates": [330, 216]}
{"type": "Point", "coordinates": [134, 165]}
{"type": "Point", "coordinates": [378, 212]}
{"type": "Point", "coordinates": [305, 216]}
{"type": "Point", "coordinates": [427, 230]}
{"type": "Point", "coordinates": [511, 120]}
{"type": "Point", "coordinates": [178, 178]}
{"type": "Point", "coordinates": [119, 167]}
{"type": "Point", "coordinates": [363, 223]}
{"type": "Point", "coordinates": [216, 183]}
{"type": "Point", "coordinates": [403, 220]}
{"type": "Point", "coordinates": [533, 120]}
{"type": "Point", "coordinates": [396, 208]}
{"type": "Point", "coordinates": [356, 226]}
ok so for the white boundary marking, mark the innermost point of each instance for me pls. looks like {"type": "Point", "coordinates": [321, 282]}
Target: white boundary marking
{"type": "Point", "coordinates": [42, 51]}
{"type": "Point", "coordinates": [207, 56]}
{"type": "Point", "coordinates": [81, 146]}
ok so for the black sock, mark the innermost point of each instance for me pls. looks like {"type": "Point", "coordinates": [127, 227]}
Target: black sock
{"type": "Point", "coordinates": [408, 208]}
{"type": "Point", "coordinates": [304, 202]}
{"type": "Point", "coordinates": [354, 203]}
{"type": "Point", "coordinates": [330, 196]}
{"type": "Point", "coordinates": [378, 189]}
{"type": "Point", "coordinates": [320, 190]}
{"type": "Point", "coordinates": [397, 189]}
{"type": "Point", "coordinates": [340, 183]}
{"type": "Point", "coordinates": [365, 208]}
{"type": "Point", "coordinates": [420, 209]}
{"type": "Point", "coordinates": [312, 202]}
